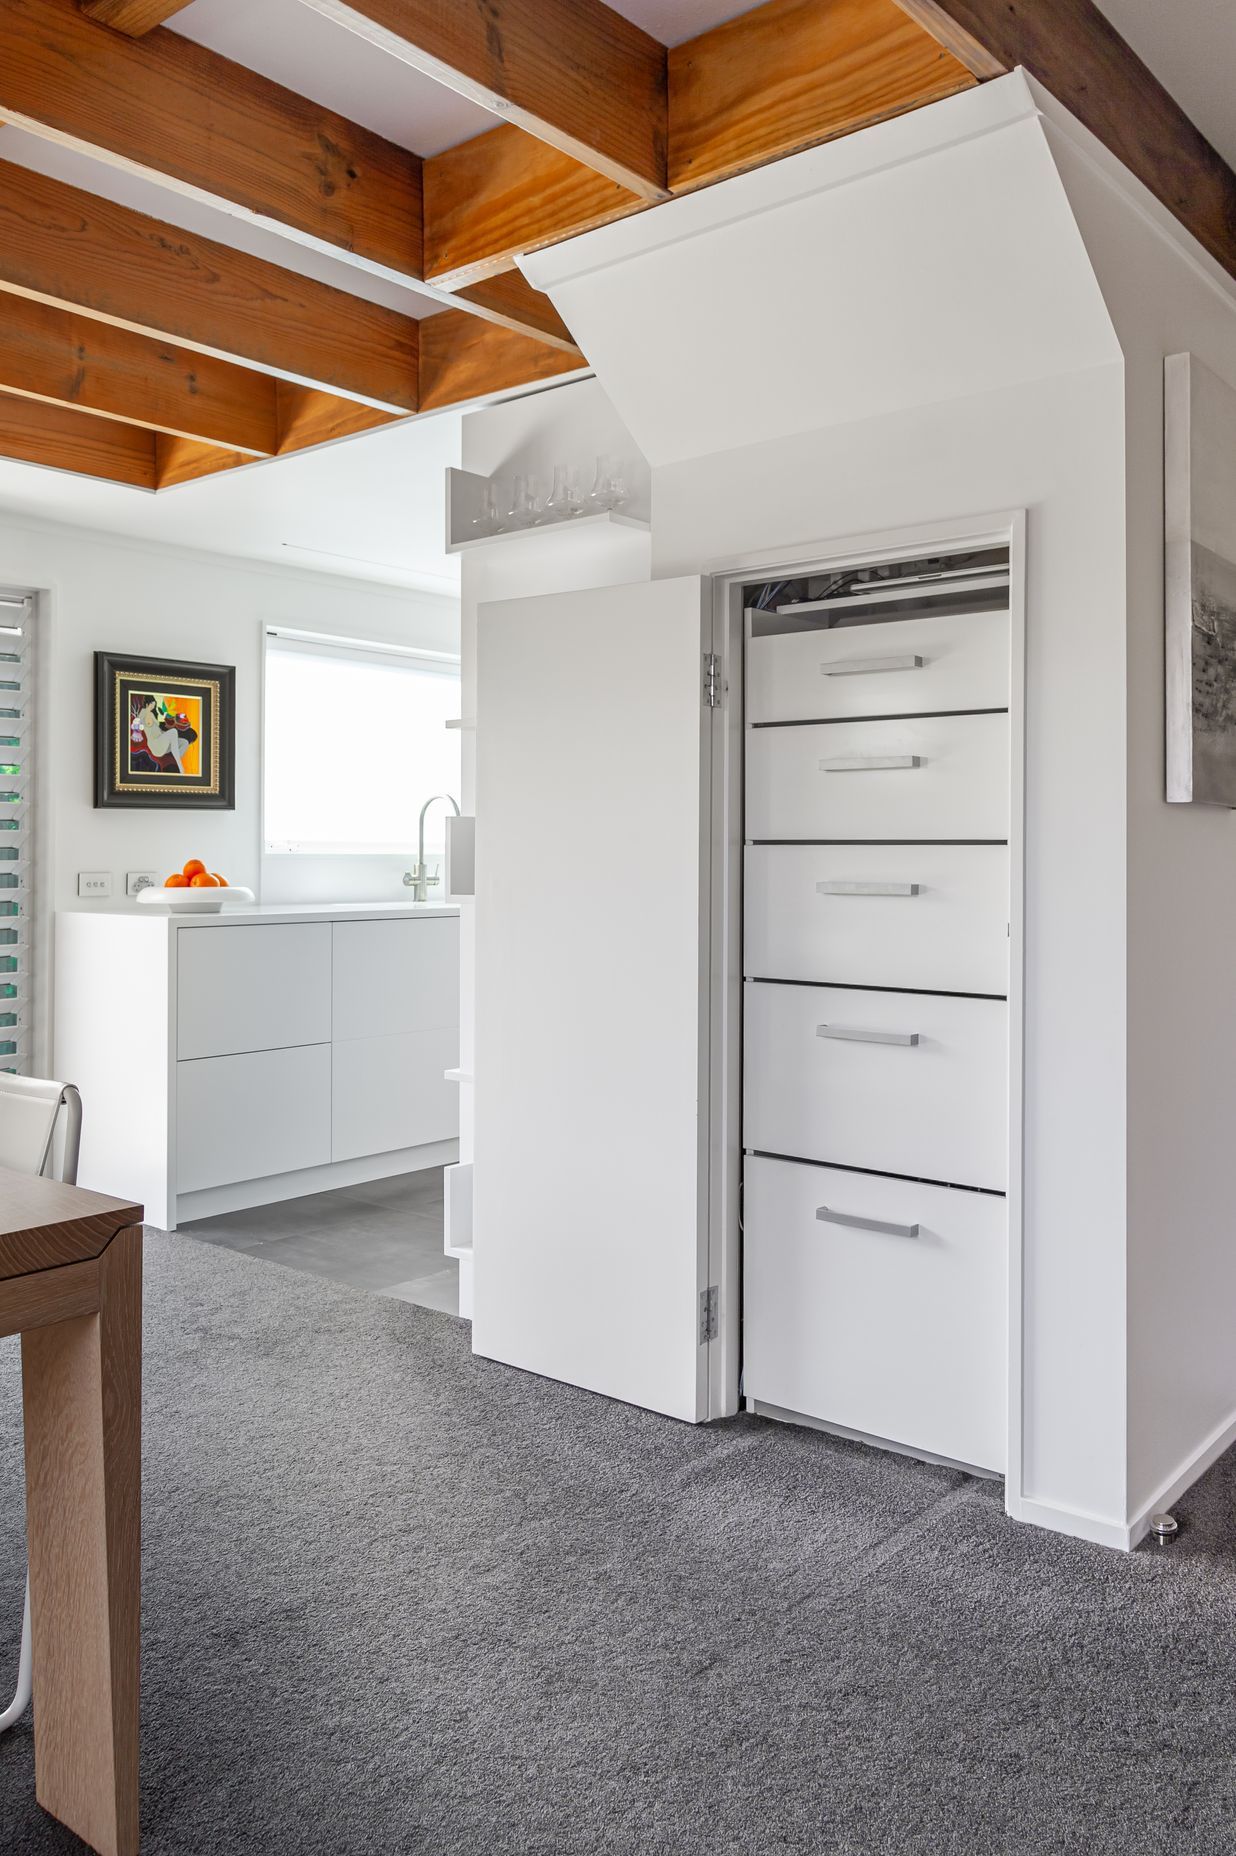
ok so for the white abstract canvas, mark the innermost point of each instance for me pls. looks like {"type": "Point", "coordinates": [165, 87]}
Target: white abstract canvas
{"type": "Point", "coordinates": [1200, 583]}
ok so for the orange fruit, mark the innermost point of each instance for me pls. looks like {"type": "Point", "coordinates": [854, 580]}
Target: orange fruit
{"type": "Point", "coordinates": [177, 880]}
{"type": "Point", "coordinates": [202, 879]}
{"type": "Point", "coordinates": [194, 867]}
{"type": "Point", "coordinates": [220, 880]}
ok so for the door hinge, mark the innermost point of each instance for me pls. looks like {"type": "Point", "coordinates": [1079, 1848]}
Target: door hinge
{"type": "Point", "coordinates": [710, 1314]}
{"type": "Point", "coordinates": [712, 680]}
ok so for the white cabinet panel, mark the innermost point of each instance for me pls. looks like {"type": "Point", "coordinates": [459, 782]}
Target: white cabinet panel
{"type": "Point", "coordinates": [390, 1092]}
{"type": "Point", "coordinates": [941, 776]}
{"type": "Point", "coordinates": [589, 1191]}
{"type": "Point", "coordinates": [932, 916]}
{"type": "Point", "coordinates": [900, 1336]}
{"type": "Point", "coordinates": [252, 988]}
{"type": "Point", "coordinates": [395, 976]}
{"type": "Point", "coordinates": [898, 1082]}
{"type": "Point", "coordinates": [908, 666]}
{"type": "Point", "coordinates": [249, 1116]}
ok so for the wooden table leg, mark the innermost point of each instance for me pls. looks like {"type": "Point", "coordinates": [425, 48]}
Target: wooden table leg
{"type": "Point", "coordinates": [82, 1396]}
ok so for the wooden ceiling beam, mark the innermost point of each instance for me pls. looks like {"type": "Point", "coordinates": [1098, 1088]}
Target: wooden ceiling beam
{"type": "Point", "coordinates": [777, 79]}
{"type": "Point", "coordinates": [1077, 54]}
{"type": "Point", "coordinates": [791, 74]}
{"type": "Point", "coordinates": [502, 193]}
{"type": "Point", "coordinates": [61, 438]}
{"type": "Point", "coordinates": [510, 300]}
{"type": "Point", "coordinates": [64, 246]}
{"type": "Point", "coordinates": [172, 110]}
{"type": "Point", "coordinates": [464, 359]}
{"type": "Point", "coordinates": [572, 73]}
{"type": "Point", "coordinates": [306, 419]}
{"type": "Point", "coordinates": [132, 16]}
{"type": "Point", "coordinates": [61, 356]}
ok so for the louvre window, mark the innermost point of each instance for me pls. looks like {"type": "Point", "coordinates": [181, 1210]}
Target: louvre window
{"type": "Point", "coordinates": [16, 828]}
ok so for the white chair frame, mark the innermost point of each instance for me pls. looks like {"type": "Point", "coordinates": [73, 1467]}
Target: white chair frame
{"type": "Point", "coordinates": [41, 1104]}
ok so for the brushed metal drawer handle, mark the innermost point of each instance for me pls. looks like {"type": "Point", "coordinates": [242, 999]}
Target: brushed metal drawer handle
{"type": "Point", "coordinates": [869, 763]}
{"type": "Point", "coordinates": [866, 666]}
{"type": "Point", "coordinates": [852, 1034]}
{"type": "Point", "coordinates": [840, 887]}
{"type": "Point", "coordinates": [854, 1223]}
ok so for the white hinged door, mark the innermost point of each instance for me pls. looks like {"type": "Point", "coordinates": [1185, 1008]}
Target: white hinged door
{"type": "Point", "coordinates": [592, 1064]}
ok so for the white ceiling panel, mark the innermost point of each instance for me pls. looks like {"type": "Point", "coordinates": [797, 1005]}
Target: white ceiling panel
{"type": "Point", "coordinates": [369, 508]}
{"type": "Point", "coordinates": [297, 47]}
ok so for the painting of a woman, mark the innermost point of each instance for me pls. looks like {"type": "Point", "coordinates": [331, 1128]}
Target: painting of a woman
{"type": "Point", "coordinates": [159, 737]}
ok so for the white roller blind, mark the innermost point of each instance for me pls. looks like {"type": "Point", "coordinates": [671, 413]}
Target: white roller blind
{"type": "Point", "coordinates": [16, 828]}
{"type": "Point", "coordinates": [354, 741]}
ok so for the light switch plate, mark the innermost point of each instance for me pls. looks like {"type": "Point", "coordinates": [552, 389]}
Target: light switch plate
{"type": "Point", "coordinates": [138, 880]}
{"type": "Point", "coordinates": [94, 883]}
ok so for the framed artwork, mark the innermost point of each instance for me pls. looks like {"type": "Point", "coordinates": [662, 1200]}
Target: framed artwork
{"type": "Point", "coordinates": [164, 733]}
{"type": "Point", "coordinates": [1200, 583]}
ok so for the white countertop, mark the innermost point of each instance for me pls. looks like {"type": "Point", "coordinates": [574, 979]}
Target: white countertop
{"type": "Point", "coordinates": [285, 912]}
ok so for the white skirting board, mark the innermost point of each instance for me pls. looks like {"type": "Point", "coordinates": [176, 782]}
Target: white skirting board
{"type": "Point", "coordinates": [1220, 1439]}
{"type": "Point", "coordinates": [279, 1186]}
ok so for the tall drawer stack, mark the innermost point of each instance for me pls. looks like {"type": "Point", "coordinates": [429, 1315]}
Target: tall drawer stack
{"type": "Point", "coordinates": [875, 1097]}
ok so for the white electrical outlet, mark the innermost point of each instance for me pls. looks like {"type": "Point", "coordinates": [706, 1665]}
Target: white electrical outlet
{"type": "Point", "coordinates": [138, 880]}
{"type": "Point", "coordinates": [94, 883]}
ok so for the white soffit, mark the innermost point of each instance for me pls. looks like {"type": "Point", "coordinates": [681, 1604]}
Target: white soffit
{"type": "Point", "coordinates": [927, 258]}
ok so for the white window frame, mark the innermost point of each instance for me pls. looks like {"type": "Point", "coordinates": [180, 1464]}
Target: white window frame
{"type": "Point", "coordinates": [445, 662]}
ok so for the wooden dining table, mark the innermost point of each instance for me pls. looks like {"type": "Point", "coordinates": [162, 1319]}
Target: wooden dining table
{"type": "Point", "coordinates": [71, 1286]}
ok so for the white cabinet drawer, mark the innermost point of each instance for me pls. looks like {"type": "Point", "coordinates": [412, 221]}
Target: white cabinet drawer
{"type": "Point", "coordinates": [252, 988]}
{"type": "Point", "coordinates": [395, 976]}
{"type": "Point", "coordinates": [902, 1337]}
{"type": "Point", "coordinates": [908, 666]}
{"type": "Point", "coordinates": [932, 916]}
{"type": "Point", "coordinates": [391, 1092]}
{"type": "Point", "coordinates": [936, 776]}
{"type": "Point", "coordinates": [249, 1116]}
{"type": "Point", "coordinates": [897, 1082]}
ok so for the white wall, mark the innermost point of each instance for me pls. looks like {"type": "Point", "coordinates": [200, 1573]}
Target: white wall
{"type": "Point", "coordinates": [103, 594]}
{"type": "Point", "coordinates": [568, 425]}
{"type": "Point", "coordinates": [1165, 296]}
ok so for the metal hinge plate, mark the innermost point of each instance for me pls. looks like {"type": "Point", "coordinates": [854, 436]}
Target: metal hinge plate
{"type": "Point", "coordinates": [712, 680]}
{"type": "Point", "coordinates": [710, 1314]}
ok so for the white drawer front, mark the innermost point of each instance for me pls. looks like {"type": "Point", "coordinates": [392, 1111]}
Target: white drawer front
{"type": "Point", "coordinates": [392, 1092]}
{"type": "Point", "coordinates": [936, 776]}
{"type": "Point", "coordinates": [934, 916]}
{"type": "Point", "coordinates": [831, 1074]}
{"type": "Point", "coordinates": [395, 976]}
{"type": "Point", "coordinates": [250, 1116]}
{"type": "Point", "coordinates": [252, 988]}
{"type": "Point", "coordinates": [909, 666]}
{"type": "Point", "coordinates": [901, 1337]}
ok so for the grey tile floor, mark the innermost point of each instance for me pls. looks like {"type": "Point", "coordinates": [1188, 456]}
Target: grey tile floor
{"type": "Point", "coordinates": [385, 1236]}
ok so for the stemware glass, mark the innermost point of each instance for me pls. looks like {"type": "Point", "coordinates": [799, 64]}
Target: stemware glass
{"type": "Point", "coordinates": [525, 507]}
{"type": "Point", "coordinates": [564, 499]}
{"type": "Point", "coordinates": [608, 488]}
{"type": "Point", "coordinates": [488, 518]}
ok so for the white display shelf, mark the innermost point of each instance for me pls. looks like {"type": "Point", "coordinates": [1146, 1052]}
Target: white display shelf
{"type": "Point", "coordinates": [616, 517]}
{"type": "Point", "coordinates": [465, 498]}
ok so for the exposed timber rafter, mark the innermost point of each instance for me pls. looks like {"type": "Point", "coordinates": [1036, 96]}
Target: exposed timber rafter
{"type": "Point", "coordinates": [572, 73]}
{"type": "Point", "coordinates": [1075, 52]}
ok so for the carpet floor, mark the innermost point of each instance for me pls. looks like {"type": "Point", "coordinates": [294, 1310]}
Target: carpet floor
{"type": "Point", "coordinates": [401, 1600]}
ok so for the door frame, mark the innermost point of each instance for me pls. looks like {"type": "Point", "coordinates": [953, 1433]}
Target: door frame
{"type": "Point", "coordinates": [1004, 528]}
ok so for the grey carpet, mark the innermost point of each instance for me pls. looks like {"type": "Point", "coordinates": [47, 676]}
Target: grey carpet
{"type": "Point", "coordinates": [399, 1600]}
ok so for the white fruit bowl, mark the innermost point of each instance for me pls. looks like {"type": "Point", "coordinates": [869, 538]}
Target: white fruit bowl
{"type": "Point", "coordinates": [194, 901]}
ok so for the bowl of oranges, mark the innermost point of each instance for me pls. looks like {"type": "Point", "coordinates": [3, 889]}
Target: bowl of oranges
{"type": "Point", "coordinates": [194, 890]}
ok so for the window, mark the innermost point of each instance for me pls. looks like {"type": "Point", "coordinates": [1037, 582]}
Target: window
{"type": "Point", "coordinates": [354, 741]}
{"type": "Point", "coordinates": [17, 999]}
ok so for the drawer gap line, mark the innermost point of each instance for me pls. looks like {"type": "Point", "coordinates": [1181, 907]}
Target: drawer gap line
{"type": "Point", "coordinates": [872, 1172]}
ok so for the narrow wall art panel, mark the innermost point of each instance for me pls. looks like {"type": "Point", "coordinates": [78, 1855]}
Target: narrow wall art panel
{"type": "Point", "coordinates": [1200, 583]}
